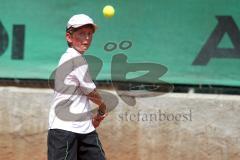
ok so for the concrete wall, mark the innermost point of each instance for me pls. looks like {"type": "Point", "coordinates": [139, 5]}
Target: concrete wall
{"type": "Point", "coordinates": [167, 127]}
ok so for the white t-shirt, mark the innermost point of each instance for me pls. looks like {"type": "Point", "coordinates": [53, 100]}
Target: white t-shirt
{"type": "Point", "coordinates": [70, 107]}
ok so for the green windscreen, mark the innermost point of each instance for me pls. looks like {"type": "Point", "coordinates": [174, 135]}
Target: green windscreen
{"type": "Point", "coordinates": [186, 42]}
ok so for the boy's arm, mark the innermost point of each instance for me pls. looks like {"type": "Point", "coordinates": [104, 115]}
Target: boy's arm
{"type": "Point", "coordinates": [95, 97]}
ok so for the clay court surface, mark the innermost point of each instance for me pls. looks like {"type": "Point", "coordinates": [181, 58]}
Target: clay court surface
{"type": "Point", "coordinates": [211, 134]}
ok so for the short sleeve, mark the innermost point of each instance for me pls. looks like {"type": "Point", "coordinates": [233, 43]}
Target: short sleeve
{"type": "Point", "coordinates": [81, 72]}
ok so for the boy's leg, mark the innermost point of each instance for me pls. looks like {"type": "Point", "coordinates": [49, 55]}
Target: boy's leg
{"type": "Point", "coordinates": [62, 145]}
{"type": "Point", "coordinates": [90, 147]}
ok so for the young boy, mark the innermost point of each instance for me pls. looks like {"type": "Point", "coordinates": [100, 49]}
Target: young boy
{"type": "Point", "coordinates": [70, 138]}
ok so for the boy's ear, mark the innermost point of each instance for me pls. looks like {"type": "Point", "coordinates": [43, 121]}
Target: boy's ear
{"type": "Point", "coordinates": [69, 37]}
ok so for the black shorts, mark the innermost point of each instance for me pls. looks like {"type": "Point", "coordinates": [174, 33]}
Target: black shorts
{"type": "Point", "coordinates": [66, 145]}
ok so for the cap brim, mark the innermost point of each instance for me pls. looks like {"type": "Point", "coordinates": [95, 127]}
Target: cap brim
{"type": "Point", "coordinates": [77, 26]}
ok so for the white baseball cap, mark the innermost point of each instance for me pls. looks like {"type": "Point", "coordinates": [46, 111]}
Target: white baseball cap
{"type": "Point", "coordinates": [80, 20]}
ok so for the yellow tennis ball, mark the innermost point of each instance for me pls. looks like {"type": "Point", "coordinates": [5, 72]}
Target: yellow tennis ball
{"type": "Point", "coordinates": [108, 11]}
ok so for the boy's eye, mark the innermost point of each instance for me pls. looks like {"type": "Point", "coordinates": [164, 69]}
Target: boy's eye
{"type": "Point", "coordinates": [84, 34]}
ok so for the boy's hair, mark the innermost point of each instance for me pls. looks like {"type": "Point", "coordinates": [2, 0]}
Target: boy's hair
{"type": "Point", "coordinates": [71, 30]}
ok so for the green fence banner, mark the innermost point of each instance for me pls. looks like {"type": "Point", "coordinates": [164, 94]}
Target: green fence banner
{"type": "Point", "coordinates": [182, 42]}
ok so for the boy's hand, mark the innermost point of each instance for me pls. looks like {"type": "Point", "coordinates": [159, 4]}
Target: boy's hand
{"type": "Point", "coordinates": [97, 119]}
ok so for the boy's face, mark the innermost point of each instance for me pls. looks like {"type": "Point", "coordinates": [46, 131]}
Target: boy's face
{"type": "Point", "coordinates": [81, 38]}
